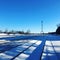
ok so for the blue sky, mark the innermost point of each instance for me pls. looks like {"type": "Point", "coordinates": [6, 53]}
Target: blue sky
{"type": "Point", "coordinates": [27, 14]}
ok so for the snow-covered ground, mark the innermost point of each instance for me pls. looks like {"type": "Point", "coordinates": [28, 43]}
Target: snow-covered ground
{"type": "Point", "coordinates": [45, 47]}
{"type": "Point", "coordinates": [51, 50]}
{"type": "Point", "coordinates": [5, 35]}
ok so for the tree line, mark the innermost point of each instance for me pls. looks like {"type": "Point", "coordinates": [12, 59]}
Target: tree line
{"type": "Point", "coordinates": [15, 32]}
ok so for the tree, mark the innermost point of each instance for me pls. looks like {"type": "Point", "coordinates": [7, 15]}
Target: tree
{"type": "Point", "coordinates": [58, 30]}
{"type": "Point", "coordinates": [28, 31]}
{"type": "Point", "coordinates": [6, 31]}
{"type": "Point", "coordinates": [0, 31]}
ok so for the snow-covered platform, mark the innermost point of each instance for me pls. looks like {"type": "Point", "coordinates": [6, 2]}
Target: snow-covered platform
{"type": "Point", "coordinates": [32, 48]}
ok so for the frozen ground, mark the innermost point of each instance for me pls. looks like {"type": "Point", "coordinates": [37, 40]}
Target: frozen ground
{"type": "Point", "coordinates": [45, 47]}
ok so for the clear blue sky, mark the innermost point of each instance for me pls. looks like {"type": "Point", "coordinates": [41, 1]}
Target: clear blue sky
{"type": "Point", "coordinates": [27, 14]}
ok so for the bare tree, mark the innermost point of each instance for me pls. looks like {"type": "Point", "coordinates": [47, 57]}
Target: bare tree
{"type": "Point", "coordinates": [28, 31]}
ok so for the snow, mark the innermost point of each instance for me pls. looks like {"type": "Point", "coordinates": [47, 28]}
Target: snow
{"type": "Point", "coordinates": [3, 41]}
{"type": "Point", "coordinates": [45, 47]}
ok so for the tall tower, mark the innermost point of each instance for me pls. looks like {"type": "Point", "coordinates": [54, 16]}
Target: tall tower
{"type": "Point", "coordinates": [42, 26]}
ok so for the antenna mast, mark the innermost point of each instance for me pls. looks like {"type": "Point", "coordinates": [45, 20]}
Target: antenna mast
{"type": "Point", "coordinates": [42, 26]}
